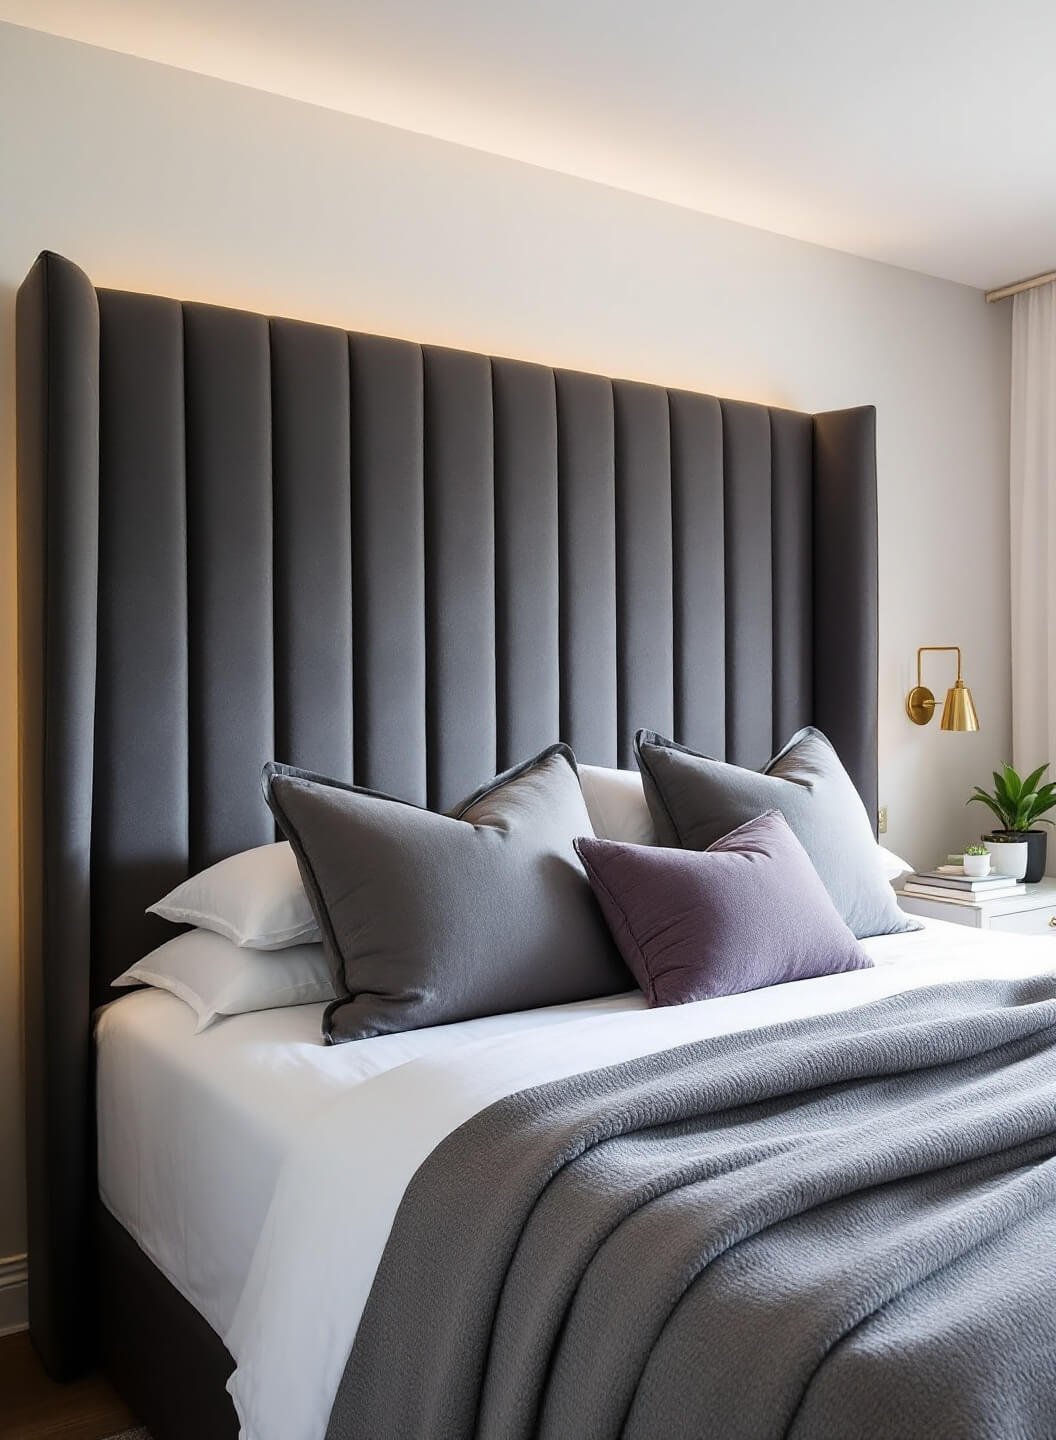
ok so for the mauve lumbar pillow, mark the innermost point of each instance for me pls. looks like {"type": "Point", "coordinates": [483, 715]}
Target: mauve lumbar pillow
{"type": "Point", "coordinates": [694, 800]}
{"type": "Point", "coordinates": [430, 918]}
{"type": "Point", "coordinates": [747, 912]}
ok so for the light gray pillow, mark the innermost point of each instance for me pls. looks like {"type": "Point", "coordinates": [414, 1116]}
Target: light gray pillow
{"type": "Point", "coordinates": [695, 800]}
{"type": "Point", "coordinates": [430, 918]}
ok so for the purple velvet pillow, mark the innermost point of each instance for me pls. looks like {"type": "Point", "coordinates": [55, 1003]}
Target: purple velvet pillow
{"type": "Point", "coordinates": [747, 912]}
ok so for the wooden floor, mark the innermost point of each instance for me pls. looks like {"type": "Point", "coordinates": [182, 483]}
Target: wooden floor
{"type": "Point", "coordinates": [32, 1407]}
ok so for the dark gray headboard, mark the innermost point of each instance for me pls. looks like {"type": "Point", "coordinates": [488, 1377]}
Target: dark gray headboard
{"type": "Point", "coordinates": [245, 538]}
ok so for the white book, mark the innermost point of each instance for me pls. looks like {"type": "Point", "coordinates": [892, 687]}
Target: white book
{"type": "Point", "coordinates": [947, 879]}
{"type": "Point", "coordinates": [926, 892]}
{"type": "Point", "coordinates": [979, 891]}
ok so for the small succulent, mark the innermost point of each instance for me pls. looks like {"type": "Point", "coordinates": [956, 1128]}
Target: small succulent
{"type": "Point", "coordinates": [1017, 803]}
{"type": "Point", "coordinates": [976, 849]}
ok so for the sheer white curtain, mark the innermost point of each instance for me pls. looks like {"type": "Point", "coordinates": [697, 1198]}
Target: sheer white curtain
{"type": "Point", "coordinates": [1033, 493]}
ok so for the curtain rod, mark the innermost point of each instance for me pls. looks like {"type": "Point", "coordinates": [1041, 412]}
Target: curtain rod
{"type": "Point", "coordinates": [1007, 290]}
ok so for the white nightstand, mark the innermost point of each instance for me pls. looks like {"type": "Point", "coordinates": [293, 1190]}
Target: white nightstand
{"type": "Point", "coordinates": [1031, 914]}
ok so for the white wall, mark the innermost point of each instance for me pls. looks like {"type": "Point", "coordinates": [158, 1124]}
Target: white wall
{"type": "Point", "coordinates": [156, 179]}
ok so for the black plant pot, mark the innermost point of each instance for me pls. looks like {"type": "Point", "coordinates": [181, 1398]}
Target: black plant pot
{"type": "Point", "coordinates": [1036, 847]}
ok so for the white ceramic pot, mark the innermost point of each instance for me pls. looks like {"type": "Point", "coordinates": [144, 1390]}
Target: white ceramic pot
{"type": "Point", "coordinates": [976, 865]}
{"type": "Point", "coordinates": [1009, 857]}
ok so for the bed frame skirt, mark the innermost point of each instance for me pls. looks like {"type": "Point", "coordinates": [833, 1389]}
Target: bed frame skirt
{"type": "Point", "coordinates": [168, 1364]}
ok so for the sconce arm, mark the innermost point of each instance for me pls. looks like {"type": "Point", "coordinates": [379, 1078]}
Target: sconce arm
{"type": "Point", "coordinates": [932, 649]}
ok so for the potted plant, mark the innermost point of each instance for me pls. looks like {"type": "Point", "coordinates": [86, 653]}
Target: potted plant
{"type": "Point", "coordinates": [1019, 804]}
{"type": "Point", "coordinates": [976, 860]}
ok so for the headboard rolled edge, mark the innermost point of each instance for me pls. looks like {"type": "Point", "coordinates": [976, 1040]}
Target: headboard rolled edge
{"type": "Point", "coordinates": [57, 378]}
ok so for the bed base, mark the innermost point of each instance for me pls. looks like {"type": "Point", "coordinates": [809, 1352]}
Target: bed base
{"type": "Point", "coordinates": [166, 1362]}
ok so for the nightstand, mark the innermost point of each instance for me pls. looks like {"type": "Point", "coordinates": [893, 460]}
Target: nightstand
{"type": "Point", "coordinates": [1031, 914]}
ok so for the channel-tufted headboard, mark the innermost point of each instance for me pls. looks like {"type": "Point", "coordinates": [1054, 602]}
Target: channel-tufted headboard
{"type": "Point", "coordinates": [246, 538]}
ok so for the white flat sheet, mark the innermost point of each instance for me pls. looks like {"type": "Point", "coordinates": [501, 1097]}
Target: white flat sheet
{"type": "Point", "coordinates": [261, 1170]}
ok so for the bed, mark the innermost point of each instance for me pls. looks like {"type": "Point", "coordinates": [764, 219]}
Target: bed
{"type": "Point", "coordinates": [217, 1152]}
{"type": "Point", "coordinates": [244, 537]}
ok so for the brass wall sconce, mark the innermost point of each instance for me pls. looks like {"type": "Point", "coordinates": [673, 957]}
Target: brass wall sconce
{"type": "Point", "coordinates": [958, 713]}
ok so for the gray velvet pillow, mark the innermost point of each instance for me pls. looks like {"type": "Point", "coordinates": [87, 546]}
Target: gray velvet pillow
{"type": "Point", "coordinates": [748, 912]}
{"type": "Point", "coordinates": [430, 918]}
{"type": "Point", "coordinates": [694, 800]}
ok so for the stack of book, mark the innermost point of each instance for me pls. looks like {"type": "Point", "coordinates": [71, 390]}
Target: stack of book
{"type": "Point", "coordinates": [951, 883]}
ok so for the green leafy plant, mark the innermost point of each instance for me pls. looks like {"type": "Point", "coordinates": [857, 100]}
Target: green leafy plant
{"type": "Point", "coordinates": [1018, 804]}
{"type": "Point", "coordinates": [976, 849]}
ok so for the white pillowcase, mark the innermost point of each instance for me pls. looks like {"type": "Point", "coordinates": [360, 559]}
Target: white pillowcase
{"type": "Point", "coordinates": [893, 865]}
{"type": "Point", "coordinates": [616, 805]}
{"type": "Point", "coordinates": [254, 899]}
{"type": "Point", "coordinates": [215, 977]}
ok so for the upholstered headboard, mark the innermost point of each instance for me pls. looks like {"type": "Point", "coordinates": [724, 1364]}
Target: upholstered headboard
{"type": "Point", "coordinates": [246, 538]}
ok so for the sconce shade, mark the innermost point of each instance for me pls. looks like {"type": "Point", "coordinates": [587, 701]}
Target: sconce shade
{"type": "Point", "coordinates": [959, 711]}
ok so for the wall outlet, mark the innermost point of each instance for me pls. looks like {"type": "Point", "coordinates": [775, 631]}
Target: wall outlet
{"type": "Point", "coordinates": [881, 820]}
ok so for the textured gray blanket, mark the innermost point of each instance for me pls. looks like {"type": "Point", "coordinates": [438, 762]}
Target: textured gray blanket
{"type": "Point", "coordinates": [841, 1228]}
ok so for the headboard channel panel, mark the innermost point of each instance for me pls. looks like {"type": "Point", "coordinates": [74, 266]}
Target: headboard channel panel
{"type": "Point", "coordinates": [748, 527]}
{"type": "Point", "coordinates": [586, 518]}
{"type": "Point", "coordinates": [229, 555]}
{"type": "Point", "coordinates": [245, 538]}
{"type": "Point", "coordinates": [698, 572]}
{"type": "Point", "coordinates": [312, 532]}
{"type": "Point", "coordinates": [792, 559]}
{"type": "Point", "coordinates": [388, 565]}
{"type": "Point", "coordinates": [527, 587]}
{"type": "Point", "coordinates": [644, 563]}
{"type": "Point", "coordinates": [459, 574]}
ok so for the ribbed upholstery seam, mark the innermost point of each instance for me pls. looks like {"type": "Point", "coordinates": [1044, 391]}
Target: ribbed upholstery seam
{"type": "Point", "coordinates": [676, 575]}
{"type": "Point", "coordinates": [186, 586]}
{"type": "Point", "coordinates": [357, 757]}
{"type": "Point", "coordinates": [562, 699]}
{"type": "Point", "coordinates": [193, 838]}
{"type": "Point", "coordinates": [269, 432]}
{"type": "Point", "coordinates": [724, 473]}
{"type": "Point", "coordinates": [350, 504]}
{"type": "Point", "coordinates": [616, 577]}
{"type": "Point", "coordinates": [279, 730]}
{"type": "Point", "coordinates": [775, 653]}
{"type": "Point", "coordinates": [501, 761]}
{"type": "Point", "coordinates": [429, 610]}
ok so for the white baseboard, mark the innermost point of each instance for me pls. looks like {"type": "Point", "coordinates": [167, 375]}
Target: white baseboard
{"type": "Point", "coordinates": [14, 1294]}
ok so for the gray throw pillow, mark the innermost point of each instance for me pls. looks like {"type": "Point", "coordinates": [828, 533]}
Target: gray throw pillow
{"type": "Point", "coordinates": [695, 800]}
{"type": "Point", "coordinates": [430, 918]}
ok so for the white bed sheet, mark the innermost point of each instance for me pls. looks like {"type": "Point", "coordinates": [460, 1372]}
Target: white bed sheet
{"type": "Point", "coordinates": [193, 1129]}
{"type": "Point", "coordinates": [261, 1170]}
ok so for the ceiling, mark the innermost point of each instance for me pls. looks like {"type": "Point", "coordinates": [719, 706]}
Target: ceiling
{"type": "Point", "coordinates": [919, 132]}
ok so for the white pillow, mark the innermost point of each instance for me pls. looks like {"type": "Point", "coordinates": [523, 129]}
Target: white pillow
{"type": "Point", "coordinates": [254, 898]}
{"type": "Point", "coordinates": [616, 805]}
{"type": "Point", "coordinates": [215, 977]}
{"type": "Point", "coordinates": [893, 865]}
